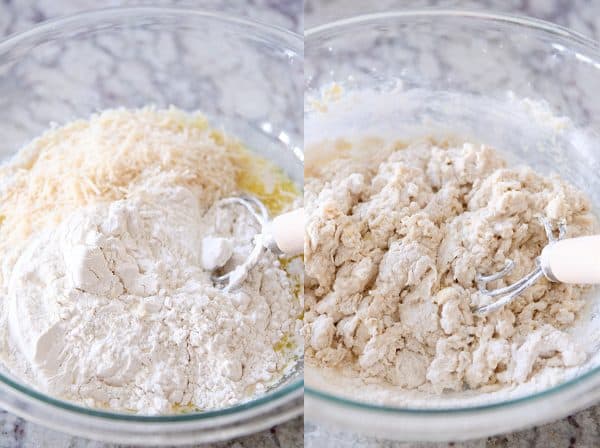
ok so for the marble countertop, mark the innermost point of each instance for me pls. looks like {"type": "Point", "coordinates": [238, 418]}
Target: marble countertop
{"type": "Point", "coordinates": [581, 430]}
{"type": "Point", "coordinates": [580, 15]}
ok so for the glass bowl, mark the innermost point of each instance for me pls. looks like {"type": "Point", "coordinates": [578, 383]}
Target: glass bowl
{"type": "Point", "coordinates": [247, 79]}
{"type": "Point", "coordinates": [524, 86]}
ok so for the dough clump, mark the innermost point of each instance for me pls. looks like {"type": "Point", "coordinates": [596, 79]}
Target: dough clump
{"type": "Point", "coordinates": [393, 245]}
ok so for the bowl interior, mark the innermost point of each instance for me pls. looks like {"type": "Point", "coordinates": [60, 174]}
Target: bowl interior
{"type": "Point", "coordinates": [245, 77]}
{"type": "Point", "coordinates": [521, 86]}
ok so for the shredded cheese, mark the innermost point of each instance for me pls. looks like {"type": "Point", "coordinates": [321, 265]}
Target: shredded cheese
{"type": "Point", "coordinates": [104, 158]}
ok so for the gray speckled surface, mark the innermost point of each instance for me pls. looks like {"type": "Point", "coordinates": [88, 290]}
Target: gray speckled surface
{"type": "Point", "coordinates": [578, 431]}
{"type": "Point", "coordinates": [581, 430]}
{"type": "Point", "coordinates": [579, 15]}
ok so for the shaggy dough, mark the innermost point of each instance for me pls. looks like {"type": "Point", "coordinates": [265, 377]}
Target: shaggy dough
{"type": "Point", "coordinates": [393, 244]}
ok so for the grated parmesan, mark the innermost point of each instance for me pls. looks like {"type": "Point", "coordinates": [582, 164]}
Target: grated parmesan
{"type": "Point", "coordinates": [103, 158]}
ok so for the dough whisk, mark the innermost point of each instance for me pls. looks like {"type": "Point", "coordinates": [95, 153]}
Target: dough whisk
{"type": "Point", "coordinates": [566, 260]}
{"type": "Point", "coordinates": [282, 235]}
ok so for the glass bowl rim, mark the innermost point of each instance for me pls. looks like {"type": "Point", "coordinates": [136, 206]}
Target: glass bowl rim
{"type": "Point", "coordinates": [510, 19]}
{"type": "Point", "coordinates": [536, 25]}
{"type": "Point", "coordinates": [284, 38]}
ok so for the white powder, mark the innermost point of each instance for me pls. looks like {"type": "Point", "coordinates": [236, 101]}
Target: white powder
{"type": "Point", "coordinates": [216, 252]}
{"type": "Point", "coordinates": [112, 308]}
{"type": "Point", "coordinates": [108, 300]}
{"type": "Point", "coordinates": [394, 242]}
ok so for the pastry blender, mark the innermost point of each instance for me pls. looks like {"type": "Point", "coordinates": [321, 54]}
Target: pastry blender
{"type": "Point", "coordinates": [566, 260]}
{"type": "Point", "coordinates": [282, 235]}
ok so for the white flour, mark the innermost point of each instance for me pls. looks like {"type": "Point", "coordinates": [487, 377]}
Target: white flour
{"type": "Point", "coordinates": [113, 309]}
{"type": "Point", "coordinates": [114, 306]}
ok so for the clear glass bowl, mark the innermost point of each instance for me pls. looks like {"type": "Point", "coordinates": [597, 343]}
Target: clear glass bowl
{"type": "Point", "coordinates": [471, 71]}
{"type": "Point", "coordinates": [245, 76]}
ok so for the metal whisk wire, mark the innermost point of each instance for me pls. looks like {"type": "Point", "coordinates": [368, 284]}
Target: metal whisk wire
{"type": "Point", "coordinates": [260, 213]}
{"type": "Point", "coordinates": [510, 292]}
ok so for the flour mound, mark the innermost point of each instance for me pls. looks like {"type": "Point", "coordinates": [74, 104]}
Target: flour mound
{"type": "Point", "coordinates": [108, 239]}
{"type": "Point", "coordinates": [112, 308]}
{"type": "Point", "coordinates": [393, 245]}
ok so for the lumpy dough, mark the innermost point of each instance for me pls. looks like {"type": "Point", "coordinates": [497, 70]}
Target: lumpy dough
{"type": "Point", "coordinates": [393, 244]}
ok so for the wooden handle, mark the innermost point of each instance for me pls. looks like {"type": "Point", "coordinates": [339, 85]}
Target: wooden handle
{"type": "Point", "coordinates": [574, 260]}
{"type": "Point", "coordinates": [288, 232]}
